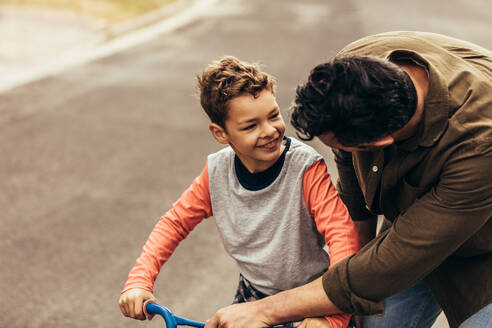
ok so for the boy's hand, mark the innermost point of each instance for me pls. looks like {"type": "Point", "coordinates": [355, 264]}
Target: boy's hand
{"type": "Point", "coordinates": [131, 302]}
{"type": "Point", "coordinates": [314, 323]}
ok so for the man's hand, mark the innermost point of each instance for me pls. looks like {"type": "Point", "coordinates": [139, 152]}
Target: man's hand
{"type": "Point", "coordinates": [314, 323]}
{"type": "Point", "coordinates": [356, 320]}
{"type": "Point", "coordinates": [131, 302]}
{"type": "Point", "coordinates": [238, 316]}
{"type": "Point", "coordinates": [295, 304]}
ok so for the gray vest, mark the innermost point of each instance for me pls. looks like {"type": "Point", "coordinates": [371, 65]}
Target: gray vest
{"type": "Point", "coordinates": [269, 232]}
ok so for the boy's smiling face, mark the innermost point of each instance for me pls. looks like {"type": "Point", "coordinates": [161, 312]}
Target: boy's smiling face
{"type": "Point", "coordinates": [254, 129]}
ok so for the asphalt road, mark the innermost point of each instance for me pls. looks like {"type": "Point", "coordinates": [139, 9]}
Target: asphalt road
{"type": "Point", "coordinates": [90, 158]}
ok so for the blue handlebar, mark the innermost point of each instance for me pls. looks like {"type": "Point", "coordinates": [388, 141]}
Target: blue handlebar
{"type": "Point", "coordinates": [173, 321]}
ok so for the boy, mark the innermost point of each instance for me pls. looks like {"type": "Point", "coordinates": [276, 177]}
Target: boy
{"type": "Point", "coordinates": [271, 196]}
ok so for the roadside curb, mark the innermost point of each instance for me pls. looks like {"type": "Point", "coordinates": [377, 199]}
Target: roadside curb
{"type": "Point", "coordinates": [110, 40]}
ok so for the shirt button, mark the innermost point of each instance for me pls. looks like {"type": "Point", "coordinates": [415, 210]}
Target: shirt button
{"type": "Point", "coordinates": [375, 168]}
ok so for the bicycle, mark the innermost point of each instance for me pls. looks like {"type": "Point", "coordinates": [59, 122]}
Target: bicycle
{"type": "Point", "coordinates": [173, 321]}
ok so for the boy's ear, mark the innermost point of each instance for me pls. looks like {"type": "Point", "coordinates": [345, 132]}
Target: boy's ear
{"type": "Point", "coordinates": [218, 133]}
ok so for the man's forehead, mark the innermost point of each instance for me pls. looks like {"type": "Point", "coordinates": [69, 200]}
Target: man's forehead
{"type": "Point", "coordinates": [331, 140]}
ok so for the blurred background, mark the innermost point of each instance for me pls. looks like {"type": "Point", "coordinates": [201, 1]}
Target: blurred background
{"type": "Point", "coordinates": [101, 131]}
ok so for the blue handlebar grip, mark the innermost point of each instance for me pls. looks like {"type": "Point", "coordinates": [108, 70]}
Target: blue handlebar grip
{"type": "Point", "coordinates": [171, 320]}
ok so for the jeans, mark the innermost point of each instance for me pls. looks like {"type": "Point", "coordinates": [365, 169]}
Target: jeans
{"type": "Point", "coordinates": [414, 307]}
{"type": "Point", "coordinates": [481, 319]}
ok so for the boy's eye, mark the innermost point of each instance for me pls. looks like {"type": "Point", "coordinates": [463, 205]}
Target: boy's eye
{"type": "Point", "coordinates": [274, 115]}
{"type": "Point", "coordinates": [249, 127]}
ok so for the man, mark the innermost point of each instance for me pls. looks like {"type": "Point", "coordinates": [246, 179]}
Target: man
{"type": "Point", "coordinates": [408, 116]}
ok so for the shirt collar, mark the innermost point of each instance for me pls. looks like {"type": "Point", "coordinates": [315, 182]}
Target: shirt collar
{"type": "Point", "coordinates": [435, 116]}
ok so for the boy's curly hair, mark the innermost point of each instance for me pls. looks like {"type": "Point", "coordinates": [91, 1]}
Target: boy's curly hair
{"type": "Point", "coordinates": [226, 79]}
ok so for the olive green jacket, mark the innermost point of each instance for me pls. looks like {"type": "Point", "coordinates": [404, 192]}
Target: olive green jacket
{"type": "Point", "coordinates": [436, 189]}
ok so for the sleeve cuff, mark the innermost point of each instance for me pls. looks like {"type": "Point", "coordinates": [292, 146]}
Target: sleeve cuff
{"type": "Point", "coordinates": [336, 284]}
{"type": "Point", "coordinates": [144, 287]}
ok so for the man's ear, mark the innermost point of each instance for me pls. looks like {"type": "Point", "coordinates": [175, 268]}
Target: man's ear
{"type": "Point", "coordinates": [218, 133]}
{"type": "Point", "coordinates": [386, 141]}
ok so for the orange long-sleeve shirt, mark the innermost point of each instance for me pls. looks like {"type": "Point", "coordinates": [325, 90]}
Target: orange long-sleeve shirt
{"type": "Point", "coordinates": [321, 199]}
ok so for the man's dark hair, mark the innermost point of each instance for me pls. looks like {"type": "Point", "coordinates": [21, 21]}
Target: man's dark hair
{"type": "Point", "coordinates": [359, 99]}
